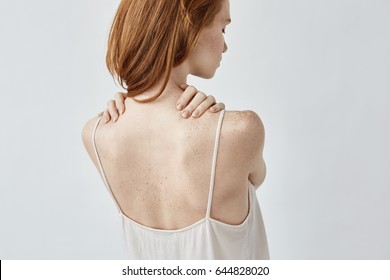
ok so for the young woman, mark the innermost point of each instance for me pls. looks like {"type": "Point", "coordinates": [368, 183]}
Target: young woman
{"type": "Point", "coordinates": [184, 188]}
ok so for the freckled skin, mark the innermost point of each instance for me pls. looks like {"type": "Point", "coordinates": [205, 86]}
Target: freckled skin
{"type": "Point", "coordinates": [177, 186]}
{"type": "Point", "coordinates": [159, 165]}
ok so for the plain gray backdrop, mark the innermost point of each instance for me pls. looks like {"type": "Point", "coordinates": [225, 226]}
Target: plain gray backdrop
{"type": "Point", "coordinates": [316, 72]}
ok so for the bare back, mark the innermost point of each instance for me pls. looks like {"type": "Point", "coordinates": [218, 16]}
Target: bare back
{"type": "Point", "coordinates": [158, 166]}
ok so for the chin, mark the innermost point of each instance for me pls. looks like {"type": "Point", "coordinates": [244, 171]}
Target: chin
{"type": "Point", "coordinates": [205, 74]}
{"type": "Point", "coordinates": [208, 75]}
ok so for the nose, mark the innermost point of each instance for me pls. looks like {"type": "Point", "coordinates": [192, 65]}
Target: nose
{"type": "Point", "coordinates": [225, 47]}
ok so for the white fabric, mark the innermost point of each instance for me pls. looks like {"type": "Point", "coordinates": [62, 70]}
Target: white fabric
{"type": "Point", "coordinates": [206, 239]}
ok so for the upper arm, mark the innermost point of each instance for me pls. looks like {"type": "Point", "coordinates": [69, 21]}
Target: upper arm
{"type": "Point", "coordinates": [87, 139]}
{"type": "Point", "coordinates": [253, 135]}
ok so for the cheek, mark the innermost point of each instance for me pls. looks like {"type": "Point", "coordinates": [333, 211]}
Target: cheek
{"type": "Point", "coordinates": [215, 44]}
{"type": "Point", "coordinates": [207, 54]}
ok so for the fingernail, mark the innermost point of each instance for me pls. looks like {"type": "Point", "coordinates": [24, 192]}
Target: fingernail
{"type": "Point", "coordinates": [179, 106]}
{"type": "Point", "coordinates": [185, 114]}
{"type": "Point", "coordinates": [195, 114]}
{"type": "Point", "coordinates": [105, 120]}
{"type": "Point", "coordinates": [120, 112]}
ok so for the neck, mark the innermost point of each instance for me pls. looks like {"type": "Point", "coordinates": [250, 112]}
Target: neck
{"type": "Point", "coordinates": [172, 90]}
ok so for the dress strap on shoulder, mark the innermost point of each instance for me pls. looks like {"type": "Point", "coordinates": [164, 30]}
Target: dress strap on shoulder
{"type": "Point", "coordinates": [102, 174]}
{"type": "Point", "coordinates": [212, 179]}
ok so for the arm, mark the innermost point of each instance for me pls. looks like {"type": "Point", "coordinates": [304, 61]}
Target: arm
{"type": "Point", "coordinates": [86, 135]}
{"type": "Point", "coordinates": [253, 135]}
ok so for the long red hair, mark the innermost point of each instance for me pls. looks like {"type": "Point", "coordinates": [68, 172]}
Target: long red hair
{"type": "Point", "coordinates": [150, 37]}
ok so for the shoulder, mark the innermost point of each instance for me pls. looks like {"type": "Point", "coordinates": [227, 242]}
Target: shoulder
{"type": "Point", "coordinates": [86, 132]}
{"type": "Point", "coordinates": [246, 119]}
{"type": "Point", "coordinates": [86, 135]}
{"type": "Point", "coordinates": [244, 127]}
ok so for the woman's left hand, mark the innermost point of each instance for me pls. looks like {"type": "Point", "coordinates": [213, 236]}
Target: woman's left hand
{"type": "Point", "coordinates": [195, 103]}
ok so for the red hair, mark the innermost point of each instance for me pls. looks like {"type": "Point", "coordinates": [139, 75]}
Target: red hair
{"type": "Point", "coordinates": [150, 37]}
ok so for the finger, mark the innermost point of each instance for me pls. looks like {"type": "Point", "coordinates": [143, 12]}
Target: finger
{"type": "Point", "coordinates": [217, 107]}
{"type": "Point", "coordinates": [186, 97]}
{"type": "Point", "coordinates": [106, 116]}
{"type": "Point", "coordinates": [120, 101]}
{"type": "Point", "coordinates": [100, 114]}
{"type": "Point", "coordinates": [202, 107]}
{"type": "Point", "coordinates": [196, 104]}
{"type": "Point", "coordinates": [112, 110]}
{"type": "Point", "coordinates": [183, 86]}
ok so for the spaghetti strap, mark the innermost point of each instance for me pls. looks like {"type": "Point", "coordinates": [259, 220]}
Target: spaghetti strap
{"type": "Point", "coordinates": [102, 174]}
{"type": "Point", "coordinates": [212, 179]}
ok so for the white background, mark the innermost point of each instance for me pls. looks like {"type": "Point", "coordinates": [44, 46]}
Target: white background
{"type": "Point", "coordinates": [316, 72]}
